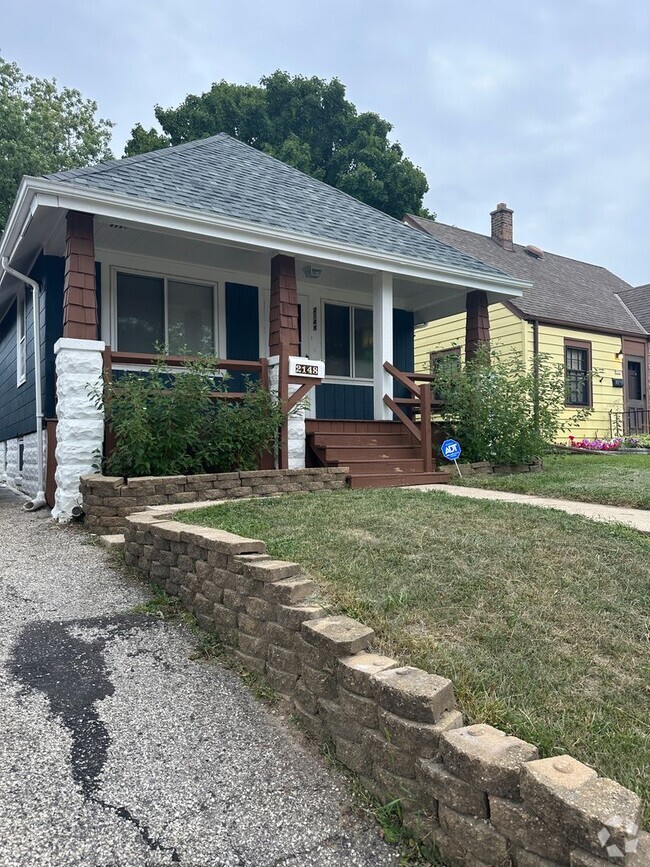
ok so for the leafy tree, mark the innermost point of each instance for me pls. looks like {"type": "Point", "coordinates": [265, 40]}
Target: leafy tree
{"type": "Point", "coordinates": [44, 129]}
{"type": "Point", "coordinates": [306, 122]}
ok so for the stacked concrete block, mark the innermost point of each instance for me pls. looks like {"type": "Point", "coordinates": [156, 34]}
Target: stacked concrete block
{"type": "Point", "coordinates": [109, 500]}
{"type": "Point", "coordinates": [484, 798]}
{"type": "Point", "coordinates": [486, 468]}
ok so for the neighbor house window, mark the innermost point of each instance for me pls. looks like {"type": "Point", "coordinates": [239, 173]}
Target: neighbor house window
{"type": "Point", "coordinates": [443, 357]}
{"type": "Point", "coordinates": [21, 339]}
{"type": "Point", "coordinates": [577, 364]}
{"type": "Point", "coordinates": [442, 360]}
{"type": "Point", "coordinates": [348, 341]}
{"type": "Point", "coordinates": [154, 312]}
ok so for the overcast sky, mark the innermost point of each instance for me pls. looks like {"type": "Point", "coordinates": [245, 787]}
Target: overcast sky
{"type": "Point", "coordinates": [543, 105]}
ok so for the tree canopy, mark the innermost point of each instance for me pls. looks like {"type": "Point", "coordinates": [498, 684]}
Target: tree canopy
{"type": "Point", "coordinates": [306, 122]}
{"type": "Point", "coordinates": [44, 129]}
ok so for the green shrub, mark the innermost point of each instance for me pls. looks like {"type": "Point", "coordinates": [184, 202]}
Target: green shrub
{"type": "Point", "coordinates": [169, 424]}
{"type": "Point", "coordinates": [499, 409]}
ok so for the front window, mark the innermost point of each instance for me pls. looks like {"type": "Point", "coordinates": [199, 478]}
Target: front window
{"type": "Point", "coordinates": [156, 311]}
{"type": "Point", "coordinates": [577, 362]}
{"type": "Point", "coordinates": [348, 341]}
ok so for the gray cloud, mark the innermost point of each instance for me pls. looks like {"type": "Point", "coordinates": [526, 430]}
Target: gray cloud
{"type": "Point", "coordinates": [542, 105]}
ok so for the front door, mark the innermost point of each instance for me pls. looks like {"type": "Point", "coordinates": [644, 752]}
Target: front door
{"type": "Point", "coordinates": [635, 394]}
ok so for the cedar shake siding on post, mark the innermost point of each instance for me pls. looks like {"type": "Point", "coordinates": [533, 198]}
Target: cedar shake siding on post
{"type": "Point", "coordinates": [79, 290]}
{"type": "Point", "coordinates": [283, 314]}
{"type": "Point", "coordinates": [477, 328]}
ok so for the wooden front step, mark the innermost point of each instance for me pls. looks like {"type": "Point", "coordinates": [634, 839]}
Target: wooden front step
{"type": "Point", "coordinates": [383, 467]}
{"type": "Point", "coordinates": [394, 480]}
{"type": "Point", "coordinates": [325, 440]}
{"type": "Point", "coordinates": [318, 425]}
{"type": "Point", "coordinates": [344, 454]}
{"type": "Point", "coordinates": [379, 454]}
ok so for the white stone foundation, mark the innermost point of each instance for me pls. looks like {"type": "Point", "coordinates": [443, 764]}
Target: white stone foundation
{"type": "Point", "coordinates": [25, 480]}
{"type": "Point", "coordinates": [80, 426]}
{"type": "Point", "coordinates": [296, 436]}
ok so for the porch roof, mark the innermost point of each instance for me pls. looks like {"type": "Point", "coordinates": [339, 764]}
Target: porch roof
{"type": "Point", "coordinates": [225, 177]}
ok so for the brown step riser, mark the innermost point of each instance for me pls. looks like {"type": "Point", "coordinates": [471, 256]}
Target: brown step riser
{"type": "Point", "coordinates": [387, 467]}
{"type": "Point", "coordinates": [323, 440]}
{"type": "Point", "coordinates": [378, 453]}
{"type": "Point", "coordinates": [379, 481]}
{"type": "Point", "coordinates": [353, 427]}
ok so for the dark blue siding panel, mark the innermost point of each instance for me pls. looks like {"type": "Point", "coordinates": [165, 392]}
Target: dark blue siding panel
{"type": "Point", "coordinates": [341, 401]}
{"type": "Point", "coordinates": [242, 328]}
{"type": "Point", "coordinates": [51, 277]}
{"type": "Point", "coordinates": [403, 346]}
{"type": "Point", "coordinates": [17, 405]}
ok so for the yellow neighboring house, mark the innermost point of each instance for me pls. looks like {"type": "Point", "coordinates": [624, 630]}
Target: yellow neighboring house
{"type": "Point", "coordinates": [574, 312]}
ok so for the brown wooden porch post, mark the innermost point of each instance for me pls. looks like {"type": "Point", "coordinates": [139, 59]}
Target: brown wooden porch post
{"type": "Point", "coordinates": [477, 328]}
{"type": "Point", "coordinates": [79, 291]}
{"type": "Point", "coordinates": [284, 339]}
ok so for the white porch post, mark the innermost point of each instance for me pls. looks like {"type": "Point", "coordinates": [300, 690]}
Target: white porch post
{"type": "Point", "coordinates": [80, 427]}
{"type": "Point", "coordinates": [382, 323]}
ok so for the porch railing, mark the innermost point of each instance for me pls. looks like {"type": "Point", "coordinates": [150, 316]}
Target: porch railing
{"type": "Point", "coordinates": [135, 361]}
{"type": "Point", "coordinates": [629, 422]}
{"type": "Point", "coordinates": [141, 361]}
{"type": "Point", "coordinates": [421, 402]}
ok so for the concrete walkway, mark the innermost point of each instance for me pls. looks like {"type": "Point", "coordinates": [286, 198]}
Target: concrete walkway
{"type": "Point", "coordinates": [118, 750]}
{"type": "Point", "coordinates": [638, 519]}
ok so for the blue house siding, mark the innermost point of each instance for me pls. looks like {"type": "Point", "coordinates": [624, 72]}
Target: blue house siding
{"type": "Point", "coordinates": [242, 328]}
{"type": "Point", "coordinates": [49, 271]}
{"type": "Point", "coordinates": [18, 404]}
{"type": "Point", "coordinates": [343, 401]}
{"type": "Point", "coordinates": [350, 401]}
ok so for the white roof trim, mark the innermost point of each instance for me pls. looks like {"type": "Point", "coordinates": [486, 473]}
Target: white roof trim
{"type": "Point", "coordinates": [43, 192]}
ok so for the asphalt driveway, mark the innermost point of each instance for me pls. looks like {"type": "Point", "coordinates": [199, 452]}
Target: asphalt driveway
{"type": "Point", "coordinates": [118, 750]}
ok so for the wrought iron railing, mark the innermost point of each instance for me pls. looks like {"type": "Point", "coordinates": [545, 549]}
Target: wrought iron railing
{"type": "Point", "coordinates": [629, 422]}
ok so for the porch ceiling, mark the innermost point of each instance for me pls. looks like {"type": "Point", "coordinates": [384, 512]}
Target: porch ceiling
{"type": "Point", "coordinates": [428, 298]}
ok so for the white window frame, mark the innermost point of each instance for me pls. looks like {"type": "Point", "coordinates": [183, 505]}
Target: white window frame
{"type": "Point", "coordinates": [352, 378]}
{"type": "Point", "coordinates": [21, 337]}
{"type": "Point", "coordinates": [165, 277]}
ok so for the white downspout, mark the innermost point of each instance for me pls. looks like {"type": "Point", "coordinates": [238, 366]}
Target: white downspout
{"type": "Point", "coordinates": [39, 500]}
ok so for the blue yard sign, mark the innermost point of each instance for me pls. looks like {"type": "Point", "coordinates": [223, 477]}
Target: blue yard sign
{"type": "Point", "coordinates": [452, 451]}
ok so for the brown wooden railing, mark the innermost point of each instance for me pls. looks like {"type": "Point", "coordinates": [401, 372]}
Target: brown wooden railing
{"type": "Point", "coordinates": [127, 359]}
{"type": "Point", "coordinates": [421, 403]}
{"type": "Point", "coordinates": [261, 367]}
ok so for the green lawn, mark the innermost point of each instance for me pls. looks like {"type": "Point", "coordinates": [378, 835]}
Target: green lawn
{"type": "Point", "coordinates": [617, 480]}
{"type": "Point", "coordinates": [540, 618]}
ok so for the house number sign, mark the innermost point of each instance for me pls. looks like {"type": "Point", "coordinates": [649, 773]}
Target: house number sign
{"type": "Point", "coordinates": [306, 367]}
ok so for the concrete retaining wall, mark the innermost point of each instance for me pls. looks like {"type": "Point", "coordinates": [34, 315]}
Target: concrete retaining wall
{"type": "Point", "coordinates": [485, 468]}
{"type": "Point", "coordinates": [485, 798]}
{"type": "Point", "coordinates": [107, 500]}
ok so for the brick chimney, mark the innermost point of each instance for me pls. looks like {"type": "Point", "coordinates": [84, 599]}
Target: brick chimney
{"type": "Point", "coordinates": [502, 226]}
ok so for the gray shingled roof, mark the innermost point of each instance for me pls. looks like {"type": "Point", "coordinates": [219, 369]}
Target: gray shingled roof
{"type": "Point", "coordinates": [564, 290]}
{"type": "Point", "coordinates": [637, 300]}
{"type": "Point", "coordinates": [223, 176]}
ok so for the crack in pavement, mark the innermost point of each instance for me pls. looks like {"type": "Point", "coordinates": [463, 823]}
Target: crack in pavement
{"type": "Point", "coordinates": [71, 671]}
